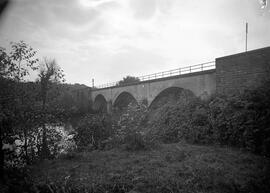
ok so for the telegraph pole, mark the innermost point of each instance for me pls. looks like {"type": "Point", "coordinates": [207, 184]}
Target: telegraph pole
{"type": "Point", "coordinates": [93, 83]}
{"type": "Point", "coordinates": [246, 34]}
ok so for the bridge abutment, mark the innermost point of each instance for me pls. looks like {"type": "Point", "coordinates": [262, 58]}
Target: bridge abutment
{"type": "Point", "coordinates": [242, 71]}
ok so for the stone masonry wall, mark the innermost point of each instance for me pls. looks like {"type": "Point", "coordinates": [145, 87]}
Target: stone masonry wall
{"type": "Point", "coordinates": [239, 72]}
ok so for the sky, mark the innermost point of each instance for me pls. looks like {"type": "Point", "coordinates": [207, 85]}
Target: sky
{"type": "Point", "coordinates": [110, 39]}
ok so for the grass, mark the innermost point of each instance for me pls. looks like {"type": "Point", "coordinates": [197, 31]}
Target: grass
{"type": "Point", "coordinates": [169, 168]}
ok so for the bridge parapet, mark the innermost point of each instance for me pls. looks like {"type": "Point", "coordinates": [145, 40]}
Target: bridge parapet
{"type": "Point", "coordinates": [170, 73]}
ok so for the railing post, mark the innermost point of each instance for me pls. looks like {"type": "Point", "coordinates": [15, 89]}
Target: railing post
{"type": "Point", "coordinates": [179, 71]}
{"type": "Point", "coordinates": [202, 67]}
{"type": "Point", "coordinates": [190, 69]}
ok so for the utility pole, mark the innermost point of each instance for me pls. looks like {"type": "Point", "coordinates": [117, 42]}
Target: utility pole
{"type": "Point", "coordinates": [93, 83]}
{"type": "Point", "coordinates": [246, 34]}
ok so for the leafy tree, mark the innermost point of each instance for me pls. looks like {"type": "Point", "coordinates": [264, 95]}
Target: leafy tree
{"type": "Point", "coordinates": [73, 99]}
{"type": "Point", "coordinates": [17, 64]}
{"type": "Point", "coordinates": [4, 58]}
{"type": "Point", "coordinates": [128, 80]}
{"type": "Point", "coordinates": [49, 73]}
{"type": "Point", "coordinates": [14, 67]}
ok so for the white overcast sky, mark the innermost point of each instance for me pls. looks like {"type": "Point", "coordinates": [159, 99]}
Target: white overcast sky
{"type": "Point", "coordinates": [109, 39]}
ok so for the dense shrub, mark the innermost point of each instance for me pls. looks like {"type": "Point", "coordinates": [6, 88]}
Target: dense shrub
{"type": "Point", "coordinates": [135, 141]}
{"type": "Point", "coordinates": [98, 132]}
{"type": "Point", "coordinates": [241, 121]}
{"type": "Point", "coordinates": [175, 121]}
{"type": "Point", "coordinates": [92, 130]}
{"type": "Point", "coordinates": [130, 130]}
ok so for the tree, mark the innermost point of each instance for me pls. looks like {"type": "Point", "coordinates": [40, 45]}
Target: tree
{"type": "Point", "coordinates": [27, 114]}
{"type": "Point", "coordinates": [14, 67]}
{"type": "Point", "coordinates": [128, 80]}
{"type": "Point", "coordinates": [17, 64]}
{"type": "Point", "coordinates": [3, 62]}
{"type": "Point", "coordinates": [49, 73]}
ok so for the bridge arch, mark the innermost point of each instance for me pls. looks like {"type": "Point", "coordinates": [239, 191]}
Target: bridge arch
{"type": "Point", "coordinates": [100, 103]}
{"type": "Point", "coordinates": [171, 95]}
{"type": "Point", "coordinates": [123, 100]}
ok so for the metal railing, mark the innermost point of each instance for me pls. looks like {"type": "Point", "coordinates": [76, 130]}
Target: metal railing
{"type": "Point", "coordinates": [175, 72]}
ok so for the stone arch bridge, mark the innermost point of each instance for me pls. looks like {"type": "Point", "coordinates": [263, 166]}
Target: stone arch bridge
{"type": "Point", "coordinates": [227, 75]}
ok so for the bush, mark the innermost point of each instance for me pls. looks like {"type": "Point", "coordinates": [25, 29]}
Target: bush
{"type": "Point", "coordinates": [243, 121]}
{"type": "Point", "coordinates": [240, 121]}
{"type": "Point", "coordinates": [92, 130]}
{"type": "Point", "coordinates": [130, 129]}
{"type": "Point", "coordinates": [180, 121]}
{"type": "Point", "coordinates": [135, 142]}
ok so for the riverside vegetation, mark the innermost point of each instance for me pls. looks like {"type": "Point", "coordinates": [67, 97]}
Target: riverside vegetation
{"type": "Point", "coordinates": [179, 144]}
{"type": "Point", "coordinates": [220, 145]}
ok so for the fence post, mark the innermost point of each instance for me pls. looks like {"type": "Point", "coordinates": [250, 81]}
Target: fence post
{"type": "Point", "coordinates": [190, 69]}
{"type": "Point", "coordinates": [202, 67]}
{"type": "Point", "coordinates": [179, 71]}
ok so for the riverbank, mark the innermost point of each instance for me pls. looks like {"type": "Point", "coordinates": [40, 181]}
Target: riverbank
{"type": "Point", "coordinates": [175, 167]}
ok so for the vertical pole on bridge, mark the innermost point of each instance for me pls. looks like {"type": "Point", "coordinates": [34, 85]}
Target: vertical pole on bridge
{"type": "Point", "coordinates": [246, 34]}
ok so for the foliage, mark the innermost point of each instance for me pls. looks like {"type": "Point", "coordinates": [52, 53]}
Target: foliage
{"type": "Point", "coordinates": [26, 127]}
{"type": "Point", "coordinates": [130, 129]}
{"type": "Point", "coordinates": [28, 106]}
{"type": "Point", "coordinates": [132, 120]}
{"type": "Point", "coordinates": [59, 142]}
{"type": "Point", "coordinates": [243, 121]}
{"type": "Point", "coordinates": [17, 64]}
{"type": "Point", "coordinates": [73, 99]}
{"type": "Point", "coordinates": [239, 121]}
{"type": "Point", "coordinates": [14, 67]}
{"type": "Point", "coordinates": [4, 61]}
{"type": "Point", "coordinates": [92, 130]}
{"type": "Point", "coordinates": [171, 116]}
{"type": "Point", "coordinates": [50, 72]}
{"type": "Point", "coordinates": [128, 80]}
{"type": "Point", "coordinates": [98, 132]}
